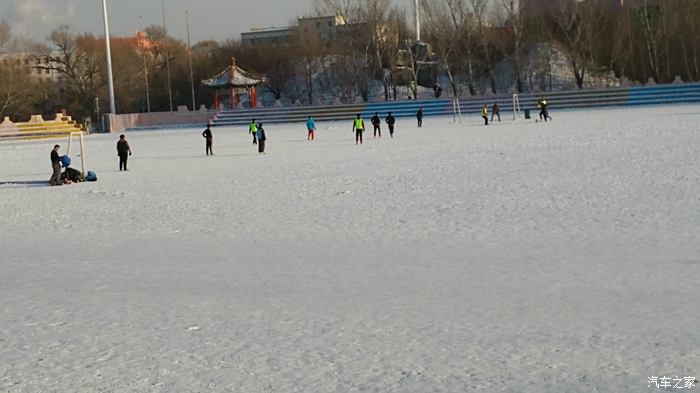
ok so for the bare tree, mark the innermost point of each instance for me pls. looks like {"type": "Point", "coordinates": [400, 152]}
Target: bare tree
{"type": "Point", "coordinates": [441, 33]}
{"type": "Point", "coordinates": [575, 25]}
{"type": "Point", "coordinates": [652, 33]}
{"type": "Point", "coordinates": [479, 9]}
{"type": "Point", "coordinates": [382, 38]}
{"type": "Point", "coordinates": [79, 62]}
{"type": "Point", "coordinates": [16, 84]}
{"type": "Point", "coordinates": [622, 59]}
{"type": "Point", "coordinates": [344, 8]}
{"type": "Point", "coordinates": [689, 11]}
{"type": "Point", "coordinates": [311, 58]}
{"type": "Point", "coordinates": [5, 33]}
{"type": "Point", "coordinates": [392, 56]}
{"type": "Point", "coordinates": [463, 23]}
{"type": "Point", "coordinates": [515, 21]}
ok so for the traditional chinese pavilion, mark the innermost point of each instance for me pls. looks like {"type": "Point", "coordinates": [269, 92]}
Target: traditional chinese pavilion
{"type": "Point", "coordinates": [235, 81]}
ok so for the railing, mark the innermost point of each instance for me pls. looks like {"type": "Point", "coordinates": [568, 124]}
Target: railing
{"type": "Point", "coordinates": [651, 95]}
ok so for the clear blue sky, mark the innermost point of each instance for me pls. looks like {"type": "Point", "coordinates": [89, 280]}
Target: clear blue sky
{"type": "Point", "coordinates": [217, 19]}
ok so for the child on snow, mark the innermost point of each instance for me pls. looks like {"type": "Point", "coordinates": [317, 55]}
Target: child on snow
{"type": "Point", "coordinates": [311, 126]}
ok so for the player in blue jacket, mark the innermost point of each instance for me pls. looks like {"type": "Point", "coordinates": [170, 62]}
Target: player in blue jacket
{"type": "Point", "coordinates": [311, 126]}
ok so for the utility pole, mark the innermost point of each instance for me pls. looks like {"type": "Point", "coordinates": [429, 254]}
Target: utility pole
{"type": "Point", "coordinates": [110, 77]}
{"type": "Point", "coordinates": [417, 20]}
{"type": "Point", "coordinates": [145, 65]}
{"type": "Point", "coordinates": [167, 58]}
{"type": "Point", "coordinates": [189, 48]}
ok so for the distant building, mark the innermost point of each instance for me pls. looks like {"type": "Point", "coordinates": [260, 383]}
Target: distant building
{"type": "Point", "coordinates": [323, 28]}
{"type": "Point", "coordinates": [273, 35]}
{"type": "Point", "coordinates": [36, 63]}
{"type": "Point", "coordinates": [536, 7]}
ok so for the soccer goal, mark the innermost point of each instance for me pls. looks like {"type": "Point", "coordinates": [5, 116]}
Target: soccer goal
{"type": "Point", "coordinates": [517, 114]}
{"type": "Point", "coordinates": [81, 139]}
{"type": "Point", "coordinates": [456, 110]}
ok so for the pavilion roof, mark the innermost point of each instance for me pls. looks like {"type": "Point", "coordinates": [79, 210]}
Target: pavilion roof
{"type": "Point", "coordinates": [234, 77]}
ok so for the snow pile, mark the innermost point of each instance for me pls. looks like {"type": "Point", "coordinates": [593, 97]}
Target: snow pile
{"type": "Point", "coordinates": [519, 257]}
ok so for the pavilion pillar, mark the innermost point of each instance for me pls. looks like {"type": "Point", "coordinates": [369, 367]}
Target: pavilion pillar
{"type": "Point", "coordinates": [233, 99]}
{"type": "Point", "coordinates": [253, 97]}
{"type": "Point", "coordinates": [216, 101]}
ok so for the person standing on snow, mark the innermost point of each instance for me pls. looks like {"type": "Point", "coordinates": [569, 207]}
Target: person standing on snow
{"type": "Point", "coordinates": [253, 130]}
{"type": "Point", "coordinates": [391, 121]}
{"type": "Point", "coordinates": [311, 126]}
{"type": "Point", "coordinates": [209, 138]}
{"type": "Point", "coordinates": [262, 138]}
{"type": "Point", "coordinates": [377, 123]}
{"type": "Point", "coordinates": [485, 114]}
{"type": "Point", "coordinates": [419, 117]}
{"type": "Point", "coordinates": [56, 166]}
{"type": "Point", "coordinates": [496, 111]}
{"type": "Point", "coordinates": [544, 109]}
{"type": "Point", "coordinates": [358, 126]}
{"type": "Point", "coordinates": [123, 151]}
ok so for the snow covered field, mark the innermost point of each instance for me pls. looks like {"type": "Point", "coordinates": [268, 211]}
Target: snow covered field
{"type": "Point", "coordinates": [522, 257]}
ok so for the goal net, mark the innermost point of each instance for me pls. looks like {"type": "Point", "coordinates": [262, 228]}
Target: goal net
{"type": "Point", "coordinates": [517, 114]}
{"type": "Point", "coordinates": [81, 146]}
{"type": "Point", "coordinates": [456, 110]}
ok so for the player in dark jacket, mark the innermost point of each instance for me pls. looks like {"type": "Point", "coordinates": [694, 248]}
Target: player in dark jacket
{"type": "Point", "coordinates": [391, 121]}
{"type": "Point", "coordinates": [419, 117]}
{"type": "Point", "coordinates": [210, 139]}
{"type": "Point", "coordinates": [377, 123]}
{"type": "Point", "coordinates": [123, 151]}
{"type": "Point", "coordinates": [56, 166]}
{"type": "Point", "coordinates": [262, 138]}
{"type": "Point", "coordinates": [495, 111]}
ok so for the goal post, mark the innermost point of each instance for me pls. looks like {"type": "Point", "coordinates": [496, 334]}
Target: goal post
{"type": "Point", "coordinates": [517, 114]}
{"type": "Point", "coordinates": [81, 146]}
{"type": "Point", "coordinates": [456, 110]}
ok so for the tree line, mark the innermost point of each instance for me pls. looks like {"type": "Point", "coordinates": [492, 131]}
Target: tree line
{"type": "Point", "coordinates": [473, 47]}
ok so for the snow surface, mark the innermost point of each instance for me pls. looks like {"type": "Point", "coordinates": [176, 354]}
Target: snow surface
{"type": "Point", "coordinates": [522, 257]}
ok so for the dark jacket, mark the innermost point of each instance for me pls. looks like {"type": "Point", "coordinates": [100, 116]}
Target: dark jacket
{"type": "Point", "coordinates": [261, 134]}
{"type": "Point", "coordinates": [390, 120]}
{"type": "Point", "coordinates": [419, 114]}
{"type": "Point", "coordinates": [123, 147]}
{"type": "Point", "coordinates": [376, 121]}
{"type": "Point", "coordinates": [207, 134]}
{"type": "Point", "coordinates": [55, 158]}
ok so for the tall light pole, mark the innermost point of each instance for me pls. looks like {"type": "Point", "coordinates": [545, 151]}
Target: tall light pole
{"type": "Point", "coordinates": [167, 57]}
{"type": "Point", "coordinates": [189, 48]}
{"type": "Point", "coordinates": [110, 77]}
{"type": "Point", "coordinates": [417, 20]}
{"type": "Point", "coordinates": [145, 65]}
